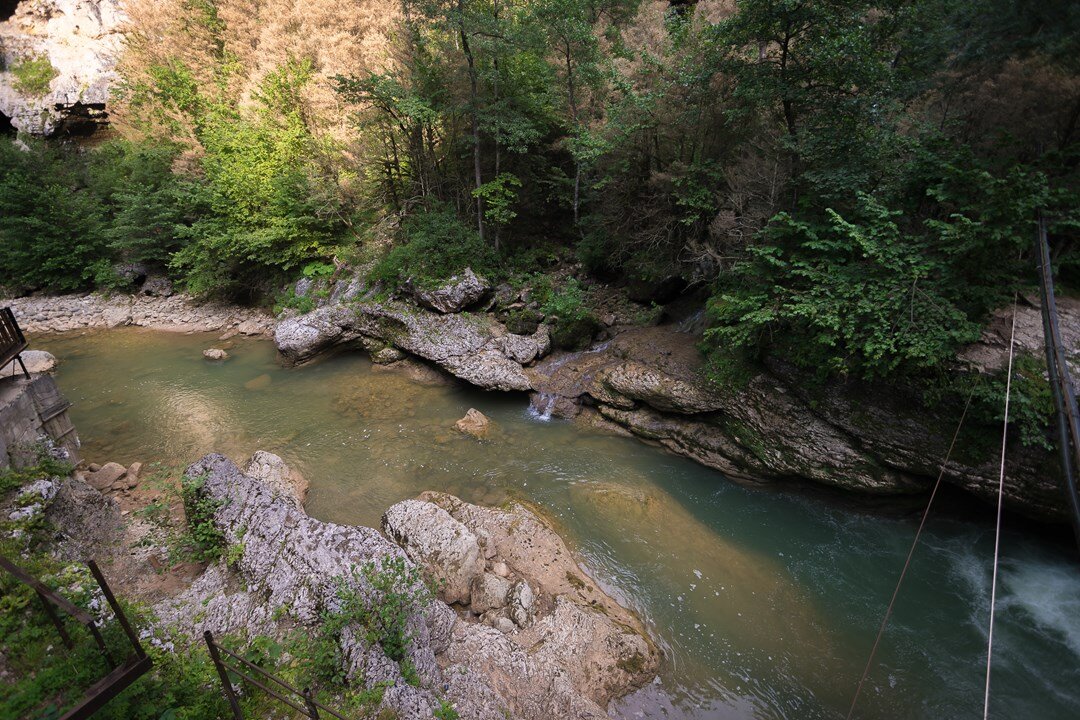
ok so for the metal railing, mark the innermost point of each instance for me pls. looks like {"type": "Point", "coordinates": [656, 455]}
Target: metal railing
{"type": "Point", "coordinates": [310, 707]}
{"type": "Point", "coordinates": [1068, 418]}
{"type": "Point", "coordinates": [121, 674]}
{"type": "Point", "coordinates": [12, 342]}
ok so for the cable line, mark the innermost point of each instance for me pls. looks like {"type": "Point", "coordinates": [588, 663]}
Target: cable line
{"type": "Point", "coordinates": [997, 531]}
{"type": "Point", "coordinates": [911, 552]}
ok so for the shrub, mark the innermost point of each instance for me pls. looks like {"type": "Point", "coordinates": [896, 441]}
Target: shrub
{"type": "Point", "coordinates": [573, 323]}
{"type": "Point", "coordinates": [380, 605]}
{"type": "Point", "coordinates": [436, 245]}
{"type": "Point", "coordinates": [33, 75]}
{"type": "Point", "coordinates": [206, 542]}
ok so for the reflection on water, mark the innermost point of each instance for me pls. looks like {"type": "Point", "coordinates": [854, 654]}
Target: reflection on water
{"type": "Point", "coordinates": [765, 604]}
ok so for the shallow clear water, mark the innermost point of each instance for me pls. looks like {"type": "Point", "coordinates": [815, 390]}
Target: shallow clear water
{"type": "Point", "coordinates": [765, 603]}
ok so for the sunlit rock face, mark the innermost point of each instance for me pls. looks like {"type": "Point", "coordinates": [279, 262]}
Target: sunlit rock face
{"type": "Point", "coordinates": [57, 64]}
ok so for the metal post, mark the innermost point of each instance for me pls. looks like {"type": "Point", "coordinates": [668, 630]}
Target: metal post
{"type": "Point", "coordinates": [226, 684]}
{"type": "Point", "coordinates": [313, 711]}
{"type": "Point", "coordinates": [56, 621]}
{"type": "Point", "coordinates": [117, 610]}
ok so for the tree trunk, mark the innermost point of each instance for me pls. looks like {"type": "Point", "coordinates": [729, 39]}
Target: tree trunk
{"type": "Point", "coordinates": [474, 116]}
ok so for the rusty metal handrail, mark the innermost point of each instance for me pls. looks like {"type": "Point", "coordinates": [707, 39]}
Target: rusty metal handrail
{"type": "Point", "coordinates": [12, 341]}
{"type": "Point", "coordinates": [1068, 417]}
{"type": "Point", "coordinates": [310, 708]}
{"type": "Point", "coordinates": [120, 675]}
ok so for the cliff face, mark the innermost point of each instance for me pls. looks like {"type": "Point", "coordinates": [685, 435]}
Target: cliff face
{"type": "Point", "coordinates": [57, 64]}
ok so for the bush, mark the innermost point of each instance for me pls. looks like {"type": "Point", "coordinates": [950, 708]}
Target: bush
{"type": "Point", "coordinates": [51, 225]}
{"type": "Point", "coordinates": [573, 323]}
{"type": "Point", "coordinates": [205, 541]}
{"type": "Point", "coordinates": [436, 246]}
{"type": "Point", "coordinates": [33, 75]}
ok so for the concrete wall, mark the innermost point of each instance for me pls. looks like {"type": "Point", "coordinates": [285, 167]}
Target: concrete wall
{"type": "Point", "coordinates": [31, 410]}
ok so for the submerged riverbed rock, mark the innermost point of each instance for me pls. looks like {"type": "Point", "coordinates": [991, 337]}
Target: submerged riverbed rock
{"type": "Point", "coordinates": [579, 651]}
{"type": "Point", "coordinates": [475, 423]}
{"type": "Point", "coordinates": [471, 347]}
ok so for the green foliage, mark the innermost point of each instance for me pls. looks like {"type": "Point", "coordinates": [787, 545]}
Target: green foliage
{"type": "Point", "coordinates": [446, 711]}
{"type": "Point", "coordinates": [51, 225]}
{"type": "Point", "coordinates": [566, 309]}
{"type": "Point", "coordinates": [499, 196]}
{"type": "Point", "coordinates": [436, 245]}
{"type": "Point", "coordinates": [45, 467]}
{"type": "Point", "coordinates": [206, 542]}
{"type": "Point", "coordinates": [846, 296]}
{"type": "Point", "coordinates": [32, 75]}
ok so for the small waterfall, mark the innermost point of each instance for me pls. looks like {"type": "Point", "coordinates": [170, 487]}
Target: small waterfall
{"type": "Point", "coordinates": [694, 324]}
{"type": "Point", "coordinates": [543, 406]}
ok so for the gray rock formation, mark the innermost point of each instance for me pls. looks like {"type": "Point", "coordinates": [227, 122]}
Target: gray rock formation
{"type": "Point", "coordinates": [580, 648]}
{"type": "Point", "coordinates": [473, 348]}
{"type": "Point", "coordinates": [36, 361]}
{"type": "Point", "coordinates": [445, 548]}
{"type": "Point", "coordinates": [281, 479]}
{"type": "Point", "coordinates": [78, 43]}
{"type": "Point", "coordinates": [547, 632]}
{"type": "Point", "coordinates": [459, 292]}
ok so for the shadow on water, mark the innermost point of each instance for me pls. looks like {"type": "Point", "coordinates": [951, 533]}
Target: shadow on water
{"type": "Point", "coordinates": [765, 602]}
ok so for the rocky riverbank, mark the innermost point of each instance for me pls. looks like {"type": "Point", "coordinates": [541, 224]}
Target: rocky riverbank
{"type": "Point", "coordinates": [645, 381]}
{"type": "Point", "coordinates": [518, 630]}
{"type": "Point", "coordinates": [173, 313]}
{"type": "Point", "coordinates": [649, 381]}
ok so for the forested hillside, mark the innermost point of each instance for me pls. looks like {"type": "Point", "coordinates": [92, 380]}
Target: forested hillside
{"type": "Point", "coordinates": [854, 183]}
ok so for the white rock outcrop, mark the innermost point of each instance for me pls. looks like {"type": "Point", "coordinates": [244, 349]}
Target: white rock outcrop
{"type": "Point", "coordinates": [81, 41]}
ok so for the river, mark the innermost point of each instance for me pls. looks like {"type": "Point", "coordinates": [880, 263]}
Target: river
{"type": "Point", "coordinates": [765, 603]}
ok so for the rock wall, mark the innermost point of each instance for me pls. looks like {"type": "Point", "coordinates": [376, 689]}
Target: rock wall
{"type": "Point", "coordinates": [33, 411]}
{"type": "Point", "coordinates": [562, 650]}
{"type": "Point", "coordinates": [80, 40]}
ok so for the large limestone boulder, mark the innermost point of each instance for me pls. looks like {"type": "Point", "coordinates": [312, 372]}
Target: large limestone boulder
{"type": "Point", "coordinates": [555, 644]}
{"type": "Point", "coordinates": [473, 348]}
{"type": "Point", "coordinates": [283, 480]}
{"type": "Point", "coordinates": [460, 292]}
{"type": "Point", "coordinates": [36, 362]}
{"type": "Point", "coordinates": [442, 545]}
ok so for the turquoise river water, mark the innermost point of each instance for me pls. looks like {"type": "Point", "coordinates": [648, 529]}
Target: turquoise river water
{"type": "Point", "coordinates": [765, 603]}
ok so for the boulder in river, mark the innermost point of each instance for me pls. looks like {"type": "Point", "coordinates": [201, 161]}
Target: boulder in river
{"type": "Point", "coordinates": [215, 354]}
{"type": "Point", "coordinates": [36, 362]}
{"type": "Point", "coordinates": [475, 423]}
{"type": "Point", "coordinates": [104, 478]}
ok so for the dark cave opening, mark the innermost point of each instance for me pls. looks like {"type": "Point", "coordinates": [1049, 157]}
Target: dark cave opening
{"type": "Point", "coordinates": [6, 128]}
{"type": "Point", "coordinates": [7, 9]}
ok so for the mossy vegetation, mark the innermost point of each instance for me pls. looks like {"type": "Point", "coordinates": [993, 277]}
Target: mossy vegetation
{"type": "Point", "coordinates": [33, 75]}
